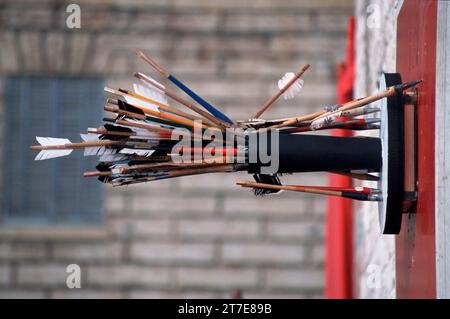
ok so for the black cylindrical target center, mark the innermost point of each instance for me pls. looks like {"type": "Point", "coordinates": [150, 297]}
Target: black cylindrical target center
{"type": "Point", "coordinates": [313, 153]}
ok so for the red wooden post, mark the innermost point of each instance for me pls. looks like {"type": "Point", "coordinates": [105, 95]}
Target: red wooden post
{"type": "Point", "coordinates": [416, 59]}
{"type": "Point", "coordinates": [339, 230]}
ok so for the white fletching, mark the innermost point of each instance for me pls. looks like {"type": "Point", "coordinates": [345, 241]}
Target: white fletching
{"type": "Point", "coordinates": [97, 150]}
{"type": "Point", "coordinates": [116, 169]}
{"type": "Point", "coordinates": [89, 137]}
{"type": "Point", "coordinates": [150, 122]}
{"type": "Point", "coordinates": [294, 89]}
{"type": "Point", "coordinates": [112, 157]}
{"type": "Point", "coordinates": [327, 120]}
{"type": "Point", "coordinates": [137, 102]}
{"type": "Point", "coordinates": [150, 93]}
{"type": "Point", "coordinates": [132, 151]}
{"type": "Point", "coordinates": [49, 141]}
{"type": "Point", "coordinates": [90, 151]}
{"type": "Point", "coordinates": [150, 79]}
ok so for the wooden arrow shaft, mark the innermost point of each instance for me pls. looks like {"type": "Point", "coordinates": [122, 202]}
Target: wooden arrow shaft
{"type": "Point", "coordinates": [347, 106]}
{"type": "Point", "coordinates": [170, 109]}
{"type": "Point", "coordinates": [75, 145]}
{"type": "Point", "coordinates": [303, 189]}
{"type": "Point", "coordinates": [281, 92]}
{"type": "Point", "coordinates": [184, 102]}
{"type": "Point", "coordinates": [361, 102]}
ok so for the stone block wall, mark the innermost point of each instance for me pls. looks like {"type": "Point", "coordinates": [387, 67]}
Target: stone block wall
{"type": "Point", "coordinates": [375, 54]}
{"type": "Point", "coordinates": [195, 236]}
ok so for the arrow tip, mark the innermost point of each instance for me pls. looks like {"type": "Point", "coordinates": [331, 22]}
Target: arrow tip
{"type": "Point", "coordinates": [138, 52]}
{"type": "Point", "coordinates": [405, 86]}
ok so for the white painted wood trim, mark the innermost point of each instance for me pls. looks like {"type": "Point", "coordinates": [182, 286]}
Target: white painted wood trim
{"type": "Point", "coordinates": [442, 151]}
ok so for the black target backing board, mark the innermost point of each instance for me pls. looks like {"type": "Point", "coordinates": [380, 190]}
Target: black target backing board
{"type": "Point", "coordinates": [393, 157]}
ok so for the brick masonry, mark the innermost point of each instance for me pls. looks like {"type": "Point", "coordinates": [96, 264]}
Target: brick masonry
{"type": "Point", "coordinates": [376, 53]}
{"type": "Point", "coordinates": [191, 237]}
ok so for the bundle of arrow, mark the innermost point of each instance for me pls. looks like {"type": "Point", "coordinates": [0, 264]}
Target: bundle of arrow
{"type": "Point", "coordinates": [140, 141]}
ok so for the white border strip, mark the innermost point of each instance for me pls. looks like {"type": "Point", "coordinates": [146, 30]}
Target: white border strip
{"type": "Point", "coordinates": [442, 151]}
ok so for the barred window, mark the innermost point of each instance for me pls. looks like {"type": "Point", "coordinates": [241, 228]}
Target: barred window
{"type": "Point", "coordinates": [51, 192]}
